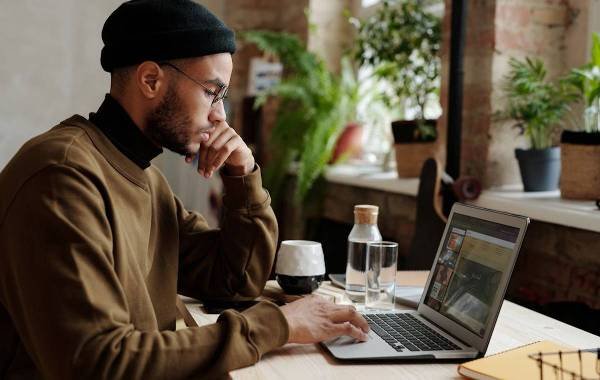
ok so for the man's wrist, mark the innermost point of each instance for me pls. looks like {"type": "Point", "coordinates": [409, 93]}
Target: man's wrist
{"type": "Point", "coordinates": [244, 191]}
{"type": "Point", "coordinates": [240, 171]}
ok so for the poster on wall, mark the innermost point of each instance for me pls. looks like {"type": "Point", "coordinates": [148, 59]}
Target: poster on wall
{"type": "Point", "coordinates": [263, 75]}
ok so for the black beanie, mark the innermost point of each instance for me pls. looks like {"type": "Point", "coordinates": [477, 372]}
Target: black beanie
{"type": "Point", "coordinates": [155, 30]}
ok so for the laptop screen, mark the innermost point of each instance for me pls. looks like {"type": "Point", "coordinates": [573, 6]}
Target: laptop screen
{"type": "Point", "coordinates": [467, 275]}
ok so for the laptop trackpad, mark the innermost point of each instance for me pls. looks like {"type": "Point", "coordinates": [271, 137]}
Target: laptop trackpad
{"type": "Point", "coordinates": [375, 348]}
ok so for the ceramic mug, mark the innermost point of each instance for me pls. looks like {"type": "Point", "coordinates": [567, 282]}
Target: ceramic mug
{"type": "Point", "coordinates": [300, 266]}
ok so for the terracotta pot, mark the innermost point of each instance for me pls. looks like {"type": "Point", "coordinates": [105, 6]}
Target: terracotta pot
{"type": "Point", "coordinates": [349, 143]}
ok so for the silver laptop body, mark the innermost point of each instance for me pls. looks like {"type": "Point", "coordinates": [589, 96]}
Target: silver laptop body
{"type": "Point", "coordinates": [464, 291]}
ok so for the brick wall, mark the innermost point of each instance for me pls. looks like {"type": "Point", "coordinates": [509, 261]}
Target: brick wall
{"type": "Point", "coordinates": [522, 28]}
{"type": "Point", "coordinates": [553, 30]}
{"type": "Point", "coordinates": [558, 263]}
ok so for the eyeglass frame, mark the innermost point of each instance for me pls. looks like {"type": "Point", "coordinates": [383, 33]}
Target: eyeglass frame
{"type": "Point", "coordinates": [217, 95]}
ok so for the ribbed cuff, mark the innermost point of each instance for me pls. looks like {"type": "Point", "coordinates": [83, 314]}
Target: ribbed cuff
{"type": "Point", "coordinates": [244, 192]}
{"type": "Point", "coordinates": [267, 327]}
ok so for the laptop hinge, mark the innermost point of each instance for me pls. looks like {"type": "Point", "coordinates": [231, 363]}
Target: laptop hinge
{"type": "Point", "coordinates": [447, 332]}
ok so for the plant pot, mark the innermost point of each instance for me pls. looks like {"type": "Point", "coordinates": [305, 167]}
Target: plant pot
{"type": "Point", "coordinates": [349, 143]}
{"type": "Point", "coordinates": [540, 168]}
{"type": "Point", "coordinates": [411, 150]}
{"type": "Point", "coordinates": [580, 175]}
{"type": "Point", "coordinates": [407, 131]}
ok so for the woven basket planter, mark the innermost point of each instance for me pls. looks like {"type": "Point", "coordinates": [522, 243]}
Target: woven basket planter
{"type": "Point", "coordinates": [411, 153]}
{"type": "Point", "coordinates": [410, 157]}
{"type": "Point", "coordinates": [580, 174]}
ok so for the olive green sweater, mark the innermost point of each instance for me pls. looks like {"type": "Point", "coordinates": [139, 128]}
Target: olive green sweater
{"type": "Point", "coordinates": [93, 251]}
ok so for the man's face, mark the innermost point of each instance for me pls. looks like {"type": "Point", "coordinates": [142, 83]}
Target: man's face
{"type": "Point", "coordinates": [186, 108]}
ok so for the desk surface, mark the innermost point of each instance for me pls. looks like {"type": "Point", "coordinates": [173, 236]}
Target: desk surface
{"type": "Point", "coordinates": [516, 326]}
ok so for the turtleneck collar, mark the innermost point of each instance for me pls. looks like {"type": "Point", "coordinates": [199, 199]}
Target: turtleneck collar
{"type": "Point", "coordinates": [112, 119]}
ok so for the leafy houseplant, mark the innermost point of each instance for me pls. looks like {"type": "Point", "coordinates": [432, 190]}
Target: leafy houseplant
{"type": "Point", "coordinates": [314, 107]}
{"type": "Point", "coordinates": [400, 44]}
{"type": "Point", "coordinates": [538, 107]}
{"type": "Point", "coordinates": [587, 80]}
{"type": "Point", "coordinates": [580, 177]}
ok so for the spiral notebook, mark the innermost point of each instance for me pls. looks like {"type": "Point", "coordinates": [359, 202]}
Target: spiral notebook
{"type": "Point", "coordinates": [516, 363]}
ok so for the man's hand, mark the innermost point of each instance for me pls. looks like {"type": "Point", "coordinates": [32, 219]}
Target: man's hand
{"type": "Point", "coordinates": [222, 145]}
{"type": "Point", "coordinates": [313, 319]}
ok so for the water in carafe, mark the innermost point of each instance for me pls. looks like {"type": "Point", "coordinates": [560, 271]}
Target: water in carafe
{"type": "Point", "coordinates": [364, 230]}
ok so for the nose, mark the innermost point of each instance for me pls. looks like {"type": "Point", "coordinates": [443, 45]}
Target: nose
{"type": "Point", "coordinates": [217, 112]}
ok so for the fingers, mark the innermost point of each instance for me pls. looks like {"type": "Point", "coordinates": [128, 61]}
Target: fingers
{"type": "Point", "coordinates": [313, 319]}
{"type": "Point", "coordinates": [222, 154]}
{"type": "Point", "coordinates": [203, 152]}
{"type": "Point", "coordinates": [214, 151]}
{"type": "Point", "coordinates": [220, 148]}
{"type": "Point", "coordinates": [349, 314]}
{"type": "Point", "coordinates": [204, 136]}
{"type": "Point", "coordinates": [349, 329]}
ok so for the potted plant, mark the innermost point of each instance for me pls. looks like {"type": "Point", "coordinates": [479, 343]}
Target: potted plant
{"type": "Point", "coordinates": [349, 143]}
{"type": "Point", "coordinates": [580, 177]}
{"type": "Point", "coordinates": [400, 43]}
{"type": "Point", "coordinates": [313, 110]}
{"type": "Point", "coordinates": [538, 107]}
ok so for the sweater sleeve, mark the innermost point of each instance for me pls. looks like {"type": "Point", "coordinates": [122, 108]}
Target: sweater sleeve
{"type": "Point", "coordinates": [236, 259]}
{"type": "Point", "coordinates": [58, 283]}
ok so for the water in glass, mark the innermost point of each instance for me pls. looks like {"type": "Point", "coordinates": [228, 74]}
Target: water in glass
{"type": "Point", "coordinates": [381, 264]}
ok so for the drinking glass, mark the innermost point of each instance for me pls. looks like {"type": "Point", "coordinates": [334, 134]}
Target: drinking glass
{"type": "Point", "coordinates": [382, 257]}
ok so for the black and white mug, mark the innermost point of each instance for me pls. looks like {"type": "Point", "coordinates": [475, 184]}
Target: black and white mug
{"type": "Point", "coordinates": [300, 266]}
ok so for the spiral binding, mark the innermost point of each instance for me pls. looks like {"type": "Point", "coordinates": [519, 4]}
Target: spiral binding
{"type": "Point", "coordinates": [562, 373]}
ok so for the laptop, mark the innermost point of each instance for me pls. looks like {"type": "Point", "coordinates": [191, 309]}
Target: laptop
{"type": "Point", "coordinates": [461, 299]}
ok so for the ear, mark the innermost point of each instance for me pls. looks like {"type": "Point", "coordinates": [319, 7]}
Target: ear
{"type": "Point", "coordinates": [150, 78]}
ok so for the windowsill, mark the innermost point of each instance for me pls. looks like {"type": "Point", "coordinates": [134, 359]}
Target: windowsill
{"type": "Point", "coordinates": [372, 177]}
{"type": "Point", "coordinates": [546, 206]}
{"type": "Point", "coordinates": [542, 206]}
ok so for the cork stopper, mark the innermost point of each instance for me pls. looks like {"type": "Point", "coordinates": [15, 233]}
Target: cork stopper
{"type": "Point", "coordinates": [365, 214]}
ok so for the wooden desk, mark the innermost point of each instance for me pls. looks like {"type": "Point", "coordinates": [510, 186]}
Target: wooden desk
{"type": "Point", "coordinates": [516, 326]}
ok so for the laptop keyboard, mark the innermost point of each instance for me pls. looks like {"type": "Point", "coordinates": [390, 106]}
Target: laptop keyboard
{"type": "Point", "coordinates": [404, 332]}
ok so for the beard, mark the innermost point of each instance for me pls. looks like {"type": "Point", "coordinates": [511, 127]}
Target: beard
{"type": "Point", "coordinates": [169, 125]}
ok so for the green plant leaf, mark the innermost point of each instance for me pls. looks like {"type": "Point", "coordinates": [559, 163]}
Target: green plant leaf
{"type": "Point", "coordinates": [595, 50]}
{"type": "Point", "coordinates": [535, 104]}
{"type": "Point", "coordinates": [314, 107]}
{"type": "Point", "coordinates": [401, 42]}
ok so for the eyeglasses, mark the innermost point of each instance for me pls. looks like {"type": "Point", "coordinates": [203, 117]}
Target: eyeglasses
{"type": "Point", "coordinates": [218, 95]}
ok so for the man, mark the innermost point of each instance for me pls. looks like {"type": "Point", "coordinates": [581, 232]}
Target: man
{"type": "Point", "coordinates": [94, 246]}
